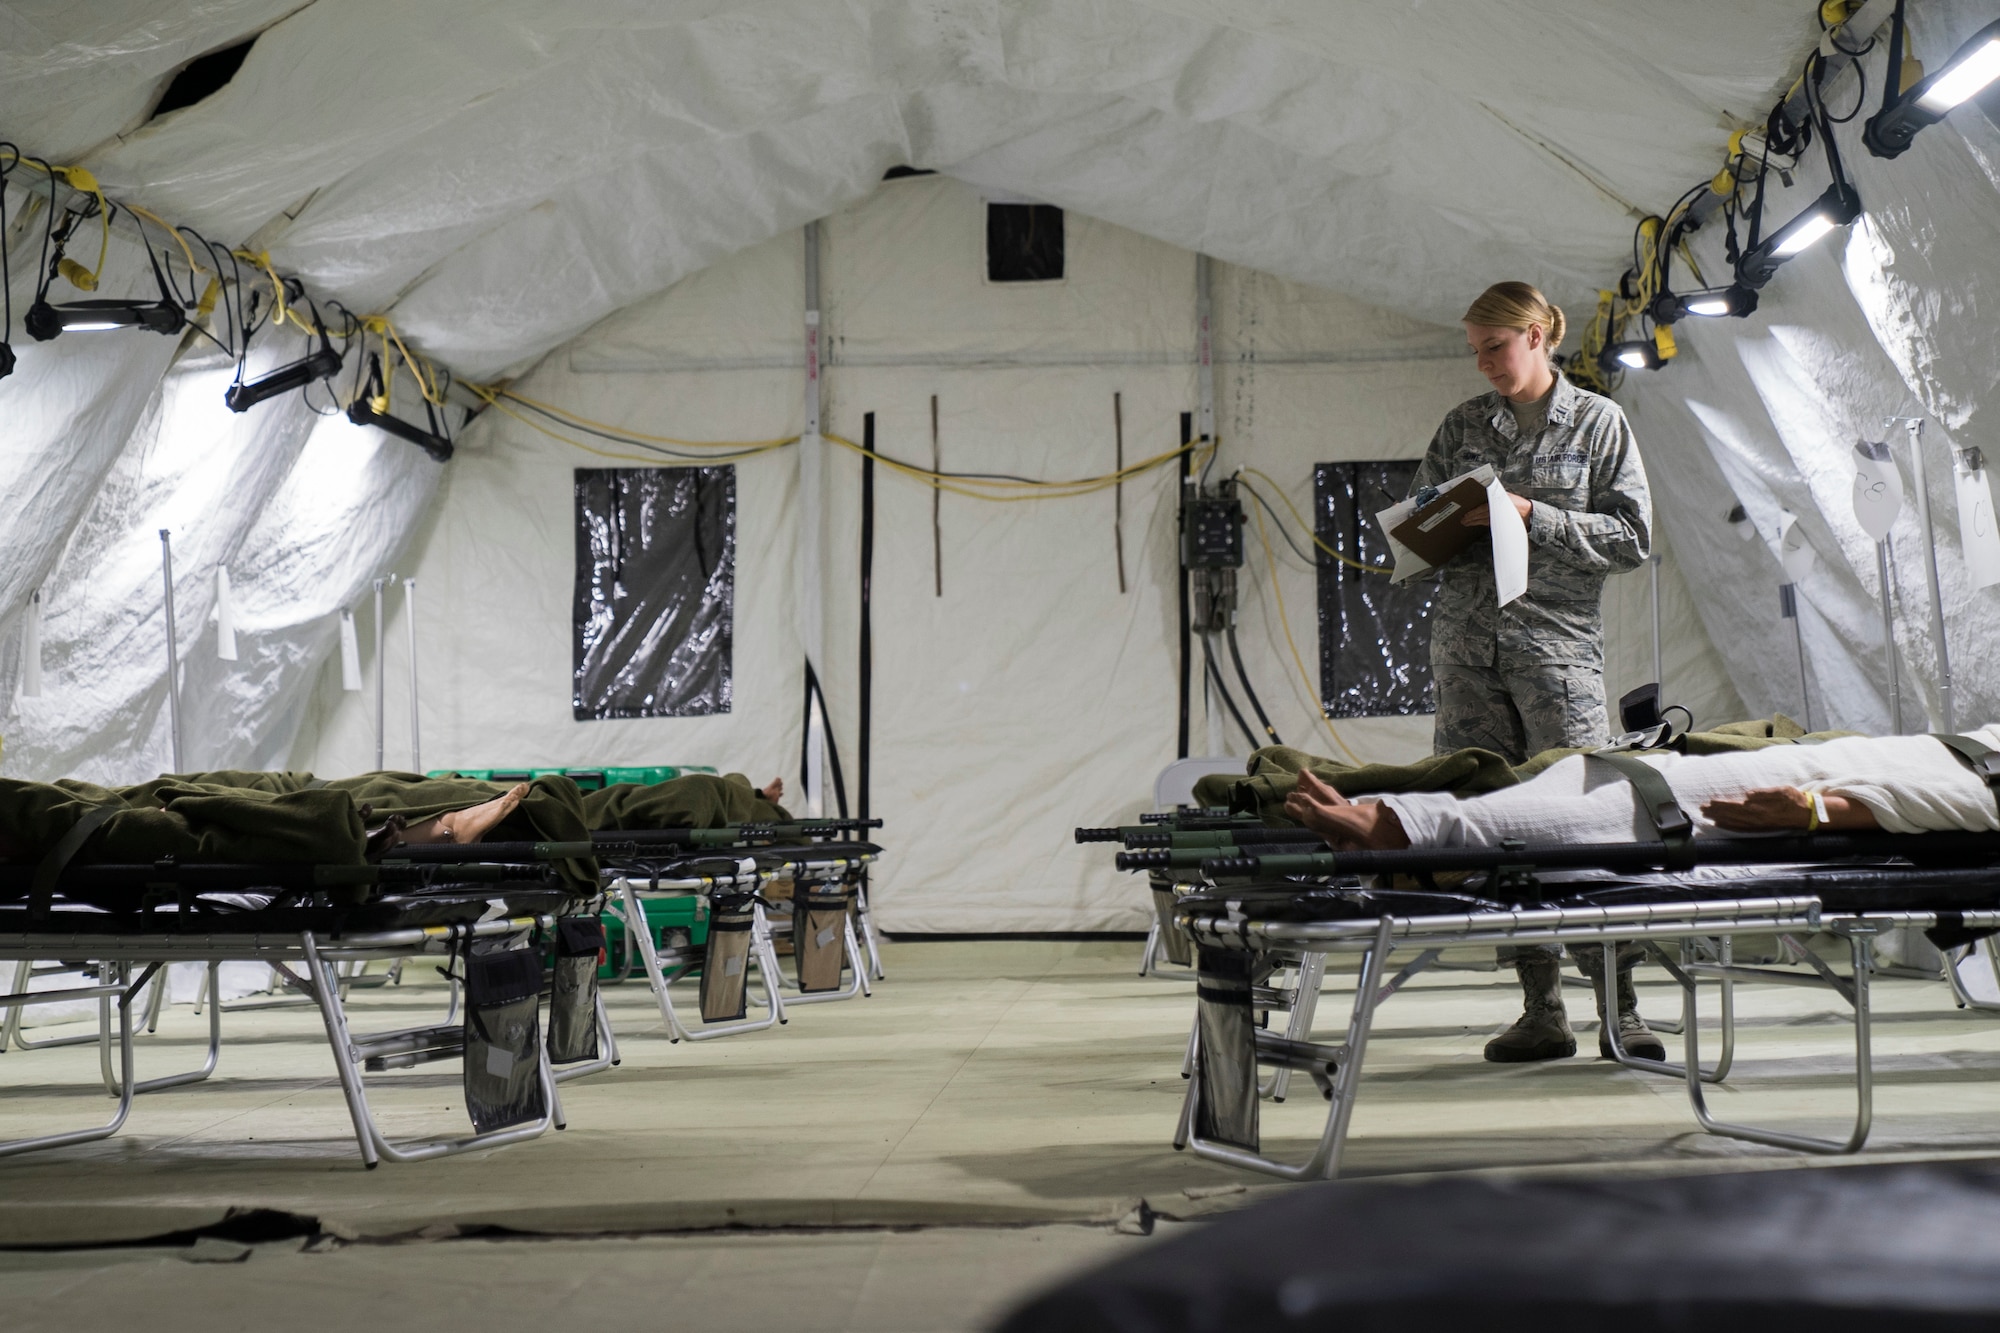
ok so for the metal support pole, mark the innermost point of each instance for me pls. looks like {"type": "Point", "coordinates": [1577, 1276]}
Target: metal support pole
{"type": "Point", "coordinates": [380, 691]}
{"type": "Point", "coordinates": [1653, 573]}
{"type": "Point", "coordinates": [410, 619]}
{"type": "Point", "coordinates": [1889, 638]}
{"type": "Point", "coordinates": [1788, 607]}
{"type": "Point", "coordinates": [173, 652]}
{"type": "Point", "coordinates": [1915, 426]}
{"type": "Point", "coordinates": [812, 506]}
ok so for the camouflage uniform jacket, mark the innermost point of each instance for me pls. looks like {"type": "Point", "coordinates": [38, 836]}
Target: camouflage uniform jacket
{"type": "Point", "coordinates": [1592, 517]}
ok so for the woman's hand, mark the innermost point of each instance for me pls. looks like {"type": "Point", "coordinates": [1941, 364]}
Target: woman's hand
{"type": "Point", "coordinates": [1482, 517]}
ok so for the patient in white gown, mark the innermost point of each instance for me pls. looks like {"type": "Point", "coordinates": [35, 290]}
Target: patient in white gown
{"type": "Point", "coordinates": [1900, 784]}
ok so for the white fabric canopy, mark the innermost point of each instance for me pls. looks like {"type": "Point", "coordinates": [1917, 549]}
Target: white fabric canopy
{"type": "Point", "coordinates": [606, 180]}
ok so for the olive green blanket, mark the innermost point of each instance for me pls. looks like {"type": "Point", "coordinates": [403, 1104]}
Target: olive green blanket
{"type": "Point", "coordinates": [292, 818]}
{"type": "Point", "coordinates": [1273, 771]}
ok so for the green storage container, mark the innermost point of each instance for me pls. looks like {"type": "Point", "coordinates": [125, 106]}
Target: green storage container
{"type": "Point", "coordinates": [589, 779]}
{"type": "Point", "coordinates": [688, 916]}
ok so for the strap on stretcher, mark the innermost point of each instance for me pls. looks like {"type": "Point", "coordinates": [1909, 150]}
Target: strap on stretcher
{"type": "Point", "coordinates": [1656, 799]}
{"type": "Point", "coordinates": [1981, 759]}
{"type": "Point", "coordinates": [41, 891]}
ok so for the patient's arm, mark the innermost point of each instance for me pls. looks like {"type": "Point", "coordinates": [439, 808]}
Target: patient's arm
{"type": "Point", "coordinates": [1773, 809]}
{"type": "Point", "coordinates": [1367, 826]}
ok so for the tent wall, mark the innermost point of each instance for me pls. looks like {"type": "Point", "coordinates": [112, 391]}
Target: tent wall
{"type": "Point", "coordinates": [1030, 696]}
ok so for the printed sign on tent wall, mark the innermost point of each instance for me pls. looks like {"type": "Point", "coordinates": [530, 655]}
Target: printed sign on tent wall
{"type": "Point", "coordinates": [1878, 489]}
{"type": "Point", "coordinates": [1977, 531]}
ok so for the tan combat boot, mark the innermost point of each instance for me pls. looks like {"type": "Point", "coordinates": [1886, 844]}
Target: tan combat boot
{"type": "Point", "coordinates": [1542, 1031]}
{"type": "Point", "coordinates": [1633, 1034]}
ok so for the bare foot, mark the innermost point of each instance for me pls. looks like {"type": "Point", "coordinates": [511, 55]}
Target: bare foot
{"type": "Point", "coordinates": [468, 825]}
{"type": "Point", "coordinates": [773, 791]}
{"type": "Point", "coordinates": [1346, 825]}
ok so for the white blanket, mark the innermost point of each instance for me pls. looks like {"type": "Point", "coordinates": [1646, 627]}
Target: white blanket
{"type": "Point", "coordinates": [1912, 783]}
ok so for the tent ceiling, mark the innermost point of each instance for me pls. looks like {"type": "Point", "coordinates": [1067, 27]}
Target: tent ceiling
{"type": "Point", "coordinates": [503, 173]}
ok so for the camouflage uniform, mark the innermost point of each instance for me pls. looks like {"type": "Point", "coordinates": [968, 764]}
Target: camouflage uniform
{"type": "Point", "coordinates": [1529, 676]}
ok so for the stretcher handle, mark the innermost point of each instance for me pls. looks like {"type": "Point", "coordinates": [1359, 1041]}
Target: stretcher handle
{"type": "Point", "coordinates": [1151, 859]}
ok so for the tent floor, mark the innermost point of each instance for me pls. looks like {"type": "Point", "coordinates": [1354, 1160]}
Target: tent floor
{"type": "Point", "coordinates": [977, 1128]}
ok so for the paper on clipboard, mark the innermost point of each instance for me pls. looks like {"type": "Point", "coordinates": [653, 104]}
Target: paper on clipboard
{"type": "Point", "coordinates": [1509, 538]}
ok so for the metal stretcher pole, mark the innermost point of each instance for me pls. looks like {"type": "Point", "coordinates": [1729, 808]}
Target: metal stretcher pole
{"type": "Point", "coordinates": [173, 652]}
{"type": "Point", "coordinates": [410, 619]}
{"type": "Point", "coordinates": [1653, 573]}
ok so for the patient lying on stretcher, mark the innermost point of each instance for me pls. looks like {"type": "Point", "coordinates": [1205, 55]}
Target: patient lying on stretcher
{"type": "Point", "coordinates": [1901, 784]}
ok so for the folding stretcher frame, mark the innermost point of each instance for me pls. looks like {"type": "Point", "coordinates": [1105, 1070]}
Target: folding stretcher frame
{"type": "Point", "coordinates": [629, 885]}
{"type": "Point", "coordinates": [67, 935]}
{"type": "Point", "coordinates": [1336, 1069]}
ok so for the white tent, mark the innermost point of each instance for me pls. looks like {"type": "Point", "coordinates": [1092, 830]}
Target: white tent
{"type": "Point", "coordinates": [605, 200]}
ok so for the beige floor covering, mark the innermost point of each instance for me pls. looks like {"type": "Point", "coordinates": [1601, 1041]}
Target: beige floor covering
{"type": "Point", "coordinates": [1015, 1097]}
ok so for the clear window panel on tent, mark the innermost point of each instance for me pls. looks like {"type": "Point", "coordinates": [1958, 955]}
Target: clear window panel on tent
{"type": "Point", "coordinates": [1374, 638]}
{"type": "Point", "coordinates": [655, 591]}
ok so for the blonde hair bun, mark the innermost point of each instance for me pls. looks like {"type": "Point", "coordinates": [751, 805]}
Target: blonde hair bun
{"type": "Point", "coordinates": [1518, 305]}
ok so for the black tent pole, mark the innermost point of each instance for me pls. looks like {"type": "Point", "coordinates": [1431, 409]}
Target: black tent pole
{"type": "Point", "coordinates": [867, 672]}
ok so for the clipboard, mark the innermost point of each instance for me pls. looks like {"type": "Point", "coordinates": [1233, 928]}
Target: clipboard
{"type": "Point", "coordinates": [1424, 536]}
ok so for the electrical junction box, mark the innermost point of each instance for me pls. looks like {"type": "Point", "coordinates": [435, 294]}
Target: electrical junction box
{"type": "Point", "coordinates": [1212, 533]}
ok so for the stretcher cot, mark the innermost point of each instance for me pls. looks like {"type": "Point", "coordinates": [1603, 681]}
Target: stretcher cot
{"type": "Point", "coordinates": [827, 887]}
{"type": "Point", "coordinates": [1248, 925]}
{"type": "Point", "coordinates": [492, 921]}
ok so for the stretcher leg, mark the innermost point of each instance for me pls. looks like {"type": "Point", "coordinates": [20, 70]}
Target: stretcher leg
{"type": "Point", "coordinates": [1152, 947]}
{"type": "Point", "coordinates": [113, 985]}
{"type": "Point", "coordinates": [1856, 993]}
{"type": "Point", "coordinates": [1324, 1163]}
{"type": "Point", "coordinates": [375, 1146]}
{"type": "Point", "coordinates": [1608, 980]}
{"type": "Point", "coordinates": [111, 1081]}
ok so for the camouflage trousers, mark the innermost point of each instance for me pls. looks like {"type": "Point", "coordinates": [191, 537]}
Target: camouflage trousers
{"type": "Point", "coordinates": [1517, 712]}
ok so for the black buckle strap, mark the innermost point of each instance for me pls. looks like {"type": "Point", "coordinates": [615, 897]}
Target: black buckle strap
{"type": "Point", "coordinates": [1981, 759]}
{"type": "Point", "coordinates": [1658, 802]}
{"type": "Point", "coordinates": [41, 892]}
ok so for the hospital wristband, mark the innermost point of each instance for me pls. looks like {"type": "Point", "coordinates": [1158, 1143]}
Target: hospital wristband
{"type": "Point", "coordinates": [1817, 816]}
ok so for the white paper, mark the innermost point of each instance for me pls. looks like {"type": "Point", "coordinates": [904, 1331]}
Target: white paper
{"type": "Point", "coordinates": [225, 618]}
{"type": "Point", "coordinates": [1795, 553]}
{"type": "Point", "coordinates": [1408, 563]}
{"type": "Point", "coordinates": [31, 648]}
{"type": "Point", "coordinates": [1878, 489]}
{"type": "Point", "coordinates": [1510, 544]}
{"type": "Point", "coordinates": [350, 654]}
{"type": "Point", "coordinates": [1977, 531]}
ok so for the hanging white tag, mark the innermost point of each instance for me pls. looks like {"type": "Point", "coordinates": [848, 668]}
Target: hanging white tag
{"type": "Point", "coordinates": [350, 654]}
{"type": "Point", "coordinates": [1795, 553]}
{"type": "Point", "coordinates": [31, 648]}
{"type": "Point", "coordinates": [1977, 531]}
{"type": "Point", "coordinates": [1878, 489]}
{"type": "Point", "coordinates": [225, 617]}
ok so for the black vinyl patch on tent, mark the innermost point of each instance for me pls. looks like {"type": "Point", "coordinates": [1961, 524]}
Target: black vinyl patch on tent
{"type": "Point", "coordinates": [655, 591]}
{"type": "Point", "coordinates": [1374, 639]}
{"type": "Point", "coordinates": [1024, 243]}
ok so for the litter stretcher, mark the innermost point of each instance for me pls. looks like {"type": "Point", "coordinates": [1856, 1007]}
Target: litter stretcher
{"type": "Point", "coordinates": [515, 936]}
{"type": "Point", "coordinates": [1277, 903]}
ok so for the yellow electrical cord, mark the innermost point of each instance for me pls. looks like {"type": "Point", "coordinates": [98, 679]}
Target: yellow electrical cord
{"type": "Point", "coordinates": [490, 392]}
{"type": "Point", "coordinates": [1307, 528]}
{"type": "Point", "coordinates": [1285, 623]}
{"type": "Point", "coordinates": [982, 489]}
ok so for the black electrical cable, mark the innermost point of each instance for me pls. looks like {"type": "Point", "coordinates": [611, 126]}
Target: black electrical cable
{"type": "Point", "coordinates": [1229, 702]}
{"type": "Point", "coordinates": [1256, 705]}
{"type": "Point", "coordinates": [813, 692]}
{"type": "Point", "coordinates": [6, 269]}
